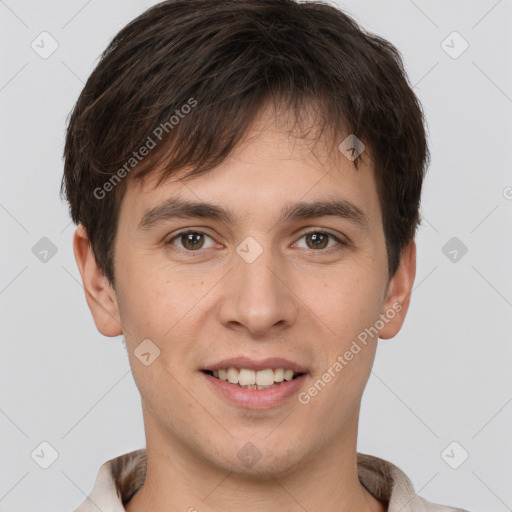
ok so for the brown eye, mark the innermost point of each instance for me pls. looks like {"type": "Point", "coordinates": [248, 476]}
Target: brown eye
{"type": "Point", "coordinates": [318, 240]}
{"type": "Point", "coordinates": [190, 241]}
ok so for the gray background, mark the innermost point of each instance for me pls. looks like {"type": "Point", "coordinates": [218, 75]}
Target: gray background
{"type": "Point", "coordinates": [446, 377]}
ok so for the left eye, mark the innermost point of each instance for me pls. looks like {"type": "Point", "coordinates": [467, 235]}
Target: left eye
{"type": "Point", "coordinates": [194, 240]}
{"type": "Point", "coordinates": [319, 240]}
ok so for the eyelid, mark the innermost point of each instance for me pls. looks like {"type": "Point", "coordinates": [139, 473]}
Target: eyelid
{"type": "Point", "coordinates": [339, 236]}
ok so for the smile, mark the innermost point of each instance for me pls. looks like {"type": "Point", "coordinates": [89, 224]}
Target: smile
{"type": "Point", "coordinates": [251, 379]}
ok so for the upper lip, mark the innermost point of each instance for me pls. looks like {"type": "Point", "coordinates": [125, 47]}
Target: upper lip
{"type": "Point", "coordinates": [257, 364]}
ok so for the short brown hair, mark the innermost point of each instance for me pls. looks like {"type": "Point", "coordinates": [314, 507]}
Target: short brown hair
{"type": "Point", "coordinates": [197, 72]}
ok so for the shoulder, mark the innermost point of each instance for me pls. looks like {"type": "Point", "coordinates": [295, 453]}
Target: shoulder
{"type": "Point", "coordinates": [390, 484]}
{"type": "Point", "coordinates": [422, 505]}
{"type": "Point", "coordinates": [117, 481]}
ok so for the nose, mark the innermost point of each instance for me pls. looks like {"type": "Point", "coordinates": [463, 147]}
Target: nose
{"type": "Point", "coordinates": [258, 295]}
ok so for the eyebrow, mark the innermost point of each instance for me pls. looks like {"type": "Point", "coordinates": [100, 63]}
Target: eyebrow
{"type": "Point", "coordinates": [185, 209]}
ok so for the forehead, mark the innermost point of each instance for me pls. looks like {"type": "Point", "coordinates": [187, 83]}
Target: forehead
{"type": "Point", "coordinates": [273, 173]}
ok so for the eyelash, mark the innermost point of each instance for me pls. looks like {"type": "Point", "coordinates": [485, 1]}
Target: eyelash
{"type": "Point", "coordinates": [197, 252]}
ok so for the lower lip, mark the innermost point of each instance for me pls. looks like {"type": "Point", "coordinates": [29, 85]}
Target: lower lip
{"type": "Point", "coordinates": [256, 398]}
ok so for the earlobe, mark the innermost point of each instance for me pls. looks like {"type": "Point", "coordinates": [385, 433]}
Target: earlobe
{"type": "Point", "coordinates": [399, 293]}
{"type": "Point", "coordinates": [100, 296]}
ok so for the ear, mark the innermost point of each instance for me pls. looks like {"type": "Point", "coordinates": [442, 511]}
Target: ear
{"type": "Point", "coordinates": [100, 296]}
{"type": "Point", "coordinates": [399, 293]}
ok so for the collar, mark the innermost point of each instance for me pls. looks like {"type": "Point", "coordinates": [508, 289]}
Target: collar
{"type": "Point", "coordinates": [121, 477]}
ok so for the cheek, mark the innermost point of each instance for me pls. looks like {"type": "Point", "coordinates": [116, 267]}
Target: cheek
{"type": "Point", "coordinates": [343, 302]}
{"type": "Point", "coordinates": [153, 298]}
{"type": "Point", "coordinates": [346, 306]}
{"type": "Point", "coordinates": [166, 309]}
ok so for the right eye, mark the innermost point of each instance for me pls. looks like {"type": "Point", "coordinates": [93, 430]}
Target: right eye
{"type": "Point", "coordinates": [191, 241]}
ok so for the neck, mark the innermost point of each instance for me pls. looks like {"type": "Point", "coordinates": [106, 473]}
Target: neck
{"type": "Point", "coordinates": [178, 479]}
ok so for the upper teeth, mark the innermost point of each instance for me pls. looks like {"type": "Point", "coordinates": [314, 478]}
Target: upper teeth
{"type": "Point", "coordinates": [244, 376]}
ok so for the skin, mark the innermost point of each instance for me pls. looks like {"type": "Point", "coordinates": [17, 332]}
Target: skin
{"type": "Point", "coordinates": [294, 301]}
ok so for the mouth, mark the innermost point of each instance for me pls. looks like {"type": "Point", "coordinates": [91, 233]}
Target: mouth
{"type": "Point", "coordinates": [247, 378]}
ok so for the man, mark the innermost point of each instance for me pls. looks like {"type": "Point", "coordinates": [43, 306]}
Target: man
{"type": "Point", "coordinates": [246, 179]}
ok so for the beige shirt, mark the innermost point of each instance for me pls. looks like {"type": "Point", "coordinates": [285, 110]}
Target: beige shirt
{"type": "Point", "coordinates": [120, 478]}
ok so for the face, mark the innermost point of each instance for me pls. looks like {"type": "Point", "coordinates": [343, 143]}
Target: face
{"type": "Point", "coordinates": [242, 285]}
